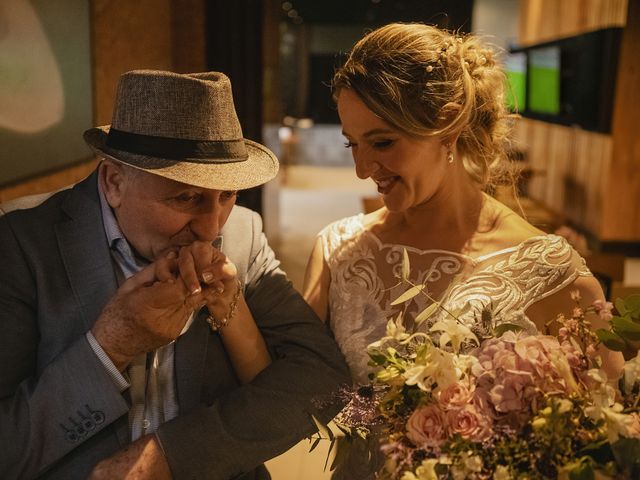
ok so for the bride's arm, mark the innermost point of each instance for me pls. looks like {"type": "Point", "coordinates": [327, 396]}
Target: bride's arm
{"type": "Point", "coordinates": [244, 343]}
{"type": "Point", "coordinates": [561, 302]}
{"type": "Point", "coordinates": [316, 282]}
{"type": "Point", "coordinates": [205, 269]}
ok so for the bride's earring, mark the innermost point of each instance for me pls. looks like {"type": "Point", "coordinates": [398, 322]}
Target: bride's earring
{"type": "Point", "coordinates": [449, 154]}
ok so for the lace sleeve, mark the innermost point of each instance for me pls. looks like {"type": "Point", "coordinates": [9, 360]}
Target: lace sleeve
{"type": "Point", "coordinates": [557, 267]}
{"type": "Point", "coordinates": [334, 235]}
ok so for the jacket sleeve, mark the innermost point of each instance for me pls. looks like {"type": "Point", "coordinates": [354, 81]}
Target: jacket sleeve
{"type": "Point", "coordinates": [47, 409]}
{"type": "Point", "coordinates": [258, 421]}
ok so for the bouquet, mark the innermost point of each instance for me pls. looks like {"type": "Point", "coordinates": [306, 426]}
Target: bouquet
{"type": "Point", "coordinates": [447, 404]}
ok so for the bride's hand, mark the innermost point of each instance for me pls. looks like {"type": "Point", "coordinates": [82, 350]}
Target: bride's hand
{"type": "Point", "coordinates": [206, 270]}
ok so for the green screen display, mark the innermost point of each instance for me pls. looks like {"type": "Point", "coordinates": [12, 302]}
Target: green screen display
{"type": "Point", "coordinates": [544, 80]}
{"type": "Point", "coordinates": [516, 70]}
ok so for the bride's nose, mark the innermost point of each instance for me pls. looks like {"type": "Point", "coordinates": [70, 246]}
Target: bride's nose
{"type": "Point", "coordinates": [365, 167]}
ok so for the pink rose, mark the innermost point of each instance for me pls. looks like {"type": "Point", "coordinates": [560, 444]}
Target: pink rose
{"type": "Point", "coordinates": [455, 395]}
{"type": "Point", "coordinates": [427, 427]}
{"type": "Point", "coordinates": [469, 423]}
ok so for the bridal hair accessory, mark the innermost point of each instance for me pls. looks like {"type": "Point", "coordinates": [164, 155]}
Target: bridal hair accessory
{"type": "Point", "coordinates": [182, 127]}
{"type": "Point", "coordinates": [216, 324]}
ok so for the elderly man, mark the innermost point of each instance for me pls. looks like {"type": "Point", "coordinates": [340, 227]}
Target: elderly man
{"type": "Point", "coordinates": [147, 331]}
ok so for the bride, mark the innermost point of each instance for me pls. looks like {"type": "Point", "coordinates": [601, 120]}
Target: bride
{"type": "Point", "coordinates": [423, 113]}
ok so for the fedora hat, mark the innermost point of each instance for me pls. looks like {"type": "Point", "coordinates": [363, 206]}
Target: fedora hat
{"type": "Point", "coordinates": [182, 127]}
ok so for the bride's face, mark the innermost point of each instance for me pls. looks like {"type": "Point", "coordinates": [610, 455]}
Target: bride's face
{"type": "Point", "coordinates": [408, 171]}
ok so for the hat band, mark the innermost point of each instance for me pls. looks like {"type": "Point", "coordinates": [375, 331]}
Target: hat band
{"type": "Point", "coordinates": [206, 151]}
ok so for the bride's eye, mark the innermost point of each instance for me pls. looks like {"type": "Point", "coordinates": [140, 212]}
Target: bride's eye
{"type": "Point", "coordinates": [349, 144]}
{"type": "Point", "coordinates": [382, 144]}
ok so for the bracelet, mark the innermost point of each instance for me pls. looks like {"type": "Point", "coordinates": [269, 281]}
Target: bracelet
{"type": "Point", "coordinates": [216, 324]}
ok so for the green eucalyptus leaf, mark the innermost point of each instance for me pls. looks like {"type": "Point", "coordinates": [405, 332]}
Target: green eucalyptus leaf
{"type": "Point", "coordinates": [611, 340]}
{"type": "Point", "coordinates": [326, 461]}
{"type": "Point", "coordinates": [632, 305]}
{"type": "Point", "coordinates": [323, 429]}
{"type": "Point", "coordinates": [583, 470]}
{"type": "Point", "coordinates": [409, 294]}
{"type": "Point", "coordinates": [620, 306]}
{"type": "Point", "coordinates": [457, 313]}
{"type": "Point", "coordinates": [506, 327]}
{"type": "Point", "coordinates": [626, 328]}
{"type": "Point", "coordinates": [345, 430]}
{"type": "Point", "coordinates": [314, 444]}
{"type": "Point", "coordinates": [406, 266]}
{"type": "Point", "coordinates": [426, 313]}
{"type": "Point", "coordinates": [377, 359]}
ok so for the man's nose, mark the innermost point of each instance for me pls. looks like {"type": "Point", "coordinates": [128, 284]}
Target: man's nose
{"type": "Point", "coordinates": [206, 225]}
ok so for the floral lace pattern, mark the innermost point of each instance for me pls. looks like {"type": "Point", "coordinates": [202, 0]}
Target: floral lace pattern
{"type": "Point", "coordinates": [365, 273]}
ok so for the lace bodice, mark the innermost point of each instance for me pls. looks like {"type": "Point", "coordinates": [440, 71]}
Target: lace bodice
{"type": "Point", "coordinates": [365, 274]}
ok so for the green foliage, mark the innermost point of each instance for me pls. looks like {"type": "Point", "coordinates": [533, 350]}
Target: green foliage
{"type": "Point", "coordinates": [506, 327]}
{"type": "Point", "coordinates": [624, 333]}
{"type": "Point", "coordinates": [627, 454]}
{"type": "Point", "coordinates": [611, 340]}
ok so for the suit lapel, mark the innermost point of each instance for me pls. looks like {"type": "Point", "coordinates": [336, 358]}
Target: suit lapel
{"type": "Point", "coordinates": [84, 250]}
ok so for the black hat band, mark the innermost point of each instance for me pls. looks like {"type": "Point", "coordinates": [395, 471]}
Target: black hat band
{"type": "Point", "coordinates": [196, 151]}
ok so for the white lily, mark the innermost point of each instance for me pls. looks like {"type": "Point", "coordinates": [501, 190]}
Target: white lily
{"type": "Point", "coordinates": [453, 332]}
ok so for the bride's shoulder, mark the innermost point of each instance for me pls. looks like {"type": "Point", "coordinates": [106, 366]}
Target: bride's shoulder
{"type": "Point", "coordinates": [511, 230]}
{"type": "Point", "coordinates": [342, 229]}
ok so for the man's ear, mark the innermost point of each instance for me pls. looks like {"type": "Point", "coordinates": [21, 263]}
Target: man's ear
{"type": "Point", "coordinates": [112, 177]}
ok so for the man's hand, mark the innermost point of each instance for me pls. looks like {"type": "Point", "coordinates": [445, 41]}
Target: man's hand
{"type": "Point", "coordinates": [149, 310]}
{"type": "Point", "coordinates": [141, 460]}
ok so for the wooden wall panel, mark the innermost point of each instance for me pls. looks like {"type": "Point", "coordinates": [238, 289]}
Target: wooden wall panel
{"type": "Point", "coordinates": [570, 168]}
{"type": "Point", "coordinates": [127, 35]}
{"type": "Point", "coordinates": [621, 212]}
{"type": "Point", "coordinates": [544, 20]}
{"type": "Point", "coordinates": [592, 178]}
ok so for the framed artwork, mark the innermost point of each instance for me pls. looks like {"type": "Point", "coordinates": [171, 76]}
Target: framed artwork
{"type": "Point", "coordinates": [45, 86]}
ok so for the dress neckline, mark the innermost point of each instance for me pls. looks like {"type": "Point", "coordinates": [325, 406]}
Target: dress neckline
{"type": "Point", "coordinates": [473, 260]}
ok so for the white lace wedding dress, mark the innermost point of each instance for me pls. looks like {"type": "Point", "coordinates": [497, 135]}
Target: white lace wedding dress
{"type": "Point", "coordinates": [365, 275]}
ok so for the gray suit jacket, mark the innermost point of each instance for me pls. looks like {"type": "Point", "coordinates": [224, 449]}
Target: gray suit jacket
{"type": "Point", "coordinates": [60, 413]}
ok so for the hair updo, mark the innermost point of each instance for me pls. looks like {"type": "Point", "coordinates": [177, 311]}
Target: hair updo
{"type": "Point", "coordinates": [425, 81]}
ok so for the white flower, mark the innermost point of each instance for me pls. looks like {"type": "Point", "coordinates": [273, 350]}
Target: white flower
{"type": "Point", "coordinates": [426, 471]}
{"type": "Point", "coordinates": [453, 332]}
{"type": "Point", "coordinates": [562, 366]}
{"type": "Point", "coordinates": [564, 406]}
{"type": "Point", "coordinates": [631, 371]}
{"type": "Point", "coordinates": [602, 394]}
{"type": "Point", "coordinates": [501, 473]}
{"type": "Point", "coordinates": [473, 463]}
{"type": "Point", "coordinates": [617, 422]}
{"type": "Point", "coordinates": [469, 464]}
{"type": "Point", "coordinates": [436, 367]}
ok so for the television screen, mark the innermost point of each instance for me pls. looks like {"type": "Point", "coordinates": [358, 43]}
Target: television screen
{"type": "Point", "coordinates": [515, 64]}
{"type": "Point", "coordinates": [544, 80]}
{"type": "Point", "coordinates": [571, 81]}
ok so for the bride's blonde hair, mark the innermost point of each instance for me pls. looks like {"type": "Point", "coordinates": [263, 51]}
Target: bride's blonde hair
{"type": "Point", "coordinates": [426, 81]}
